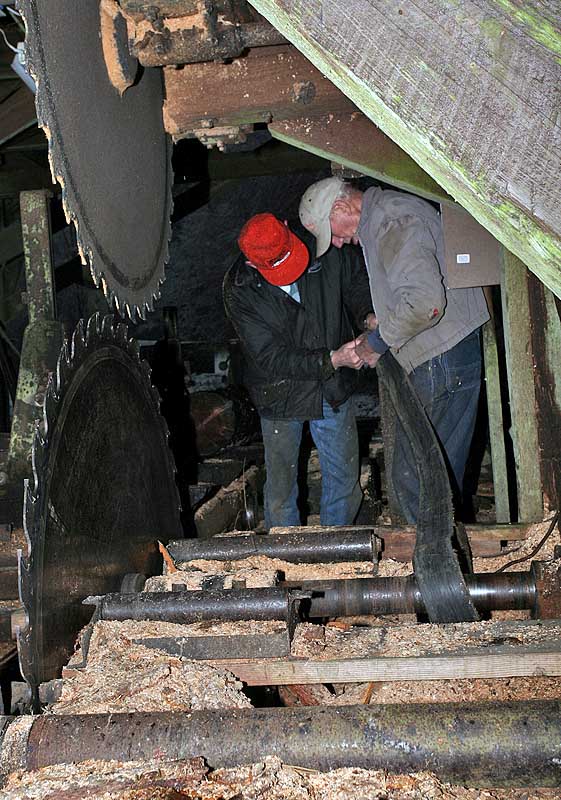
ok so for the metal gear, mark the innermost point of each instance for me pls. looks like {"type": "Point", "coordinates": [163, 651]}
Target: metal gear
{"type": "Point", "coordinates": [109, 152]}
{"type": "Point", "coordinates": [102, 494]}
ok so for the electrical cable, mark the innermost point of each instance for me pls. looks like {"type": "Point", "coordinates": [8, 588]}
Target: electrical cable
{"type": "Point", "coordinates": [538, 547]}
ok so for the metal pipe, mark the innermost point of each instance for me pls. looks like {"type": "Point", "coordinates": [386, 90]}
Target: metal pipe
{"type": "Point", "coordinates": [231, 604]}
{"type": "Point", "coordinates": [301, 547]}
{"type": "Point", "coordinates": [478, 744]}
{"type": "Point", "coordinates": [361, 596]}
{"type": "Point", "coordinates": [189, 46]}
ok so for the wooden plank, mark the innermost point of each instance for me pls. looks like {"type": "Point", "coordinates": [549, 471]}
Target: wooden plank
{"type": "Point", "coordinates": [354, 141]}
{"type": "Point", "coordinates": [269, 83]}
{"type": "Point", "coordinates": [483, 539]}
{"type": "Point", "coordinates": [430, 668]}
{"type": "Point", "coordinates": [496, 422]}
{"type": "Point", "coordinates": [469, 90]}
{"type": "Point", "coordinates": [521, 388]}
{"type": "Point", "coordinates": [18, 113]}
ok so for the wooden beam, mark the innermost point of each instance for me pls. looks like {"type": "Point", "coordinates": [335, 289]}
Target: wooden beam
{"type": "Point", "coordinates": [469, 90]}
{"type": "Point", "coordinates": [354, 141]}
{"type": "Point", "coordinates": [521, 388]}
{"type": "Point", "coordinates": [261, 672]}
{"type": "Point", "coordinates": [269, 83]}
{"type": "Point", "coordinates": [18, 113]}
{"type": "Point", "coordinates": [483, 539]}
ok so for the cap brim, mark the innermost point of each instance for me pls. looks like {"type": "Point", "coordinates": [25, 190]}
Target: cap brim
{"type": "Point", "coordinates": [291, 269]}
{"type": "Point", "coordinates": [323, 237]}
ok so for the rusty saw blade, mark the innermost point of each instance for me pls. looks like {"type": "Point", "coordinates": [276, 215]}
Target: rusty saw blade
{"type": "Point", "coordinates": [103, 491]}
{"type": "Point", "coordinates": [109, 152]}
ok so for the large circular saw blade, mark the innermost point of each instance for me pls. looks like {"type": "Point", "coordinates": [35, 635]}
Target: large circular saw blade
{"type": "Point", "coordinates": [109, 152]}
{"type": "Point", "coordinates": [103, 492]}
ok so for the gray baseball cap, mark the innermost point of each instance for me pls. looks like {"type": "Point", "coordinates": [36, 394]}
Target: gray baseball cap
{"type": "Point", "coordinates": [315, 208]}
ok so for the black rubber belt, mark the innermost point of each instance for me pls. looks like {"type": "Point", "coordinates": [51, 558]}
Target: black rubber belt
{"type": "Point", "coordinates": [435, 561]}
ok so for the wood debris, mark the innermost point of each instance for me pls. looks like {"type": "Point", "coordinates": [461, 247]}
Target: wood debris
{"type": "Point", "coordinates": [121, 676]}
{"type": "Point", "coordinates": [229, 577]}
{"type": "Point", "coordinates": [269, 780]}
{"type": "Point", "coordinates": [411, 639]}
{"type": "Point", "coordinates": [287, 570]}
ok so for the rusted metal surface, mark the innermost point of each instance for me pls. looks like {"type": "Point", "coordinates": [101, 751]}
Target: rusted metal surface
{"type": "Point", "coordinates": [103, 490]}
{"type": "Point", "coordinates": [497, 744]}
{"type": "Point", "coordinates": [187, 45]}
{"type": "Point", "coordinates": [320, 599]}
{"type": "Point", "coordinates": [121, 65]}
{"type": "Point", "coordinates": [547, 577]}
{"type": "Point", "coordinates": [43, 335]}
{"type": "Point", "coordinates": [301, 546]}
{"type": "Point", "coordinates": [269, 84]}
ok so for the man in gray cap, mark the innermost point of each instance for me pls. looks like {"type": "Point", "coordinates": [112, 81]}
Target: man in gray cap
{"type": "Point", "coordinates": [432, 330]}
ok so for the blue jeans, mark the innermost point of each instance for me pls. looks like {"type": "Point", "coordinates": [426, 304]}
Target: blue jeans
{"type": "Point", "coordinates": [336, 439]}
{"type": "Point", "coordinates": [448, 387]}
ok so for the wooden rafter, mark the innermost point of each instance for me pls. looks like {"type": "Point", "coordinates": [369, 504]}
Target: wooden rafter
{"type": "Point", "coordinates": [470, 90]}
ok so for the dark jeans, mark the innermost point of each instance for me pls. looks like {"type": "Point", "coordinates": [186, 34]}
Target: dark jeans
{"type": "Point", "coordinates": [336, 439]}
{"type": "Point", "coordinates": [448, 387]}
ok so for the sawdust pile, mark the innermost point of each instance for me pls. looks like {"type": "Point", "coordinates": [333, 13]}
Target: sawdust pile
{"type": "Point", "coordinates": [270, 780]}
{"type": "Point", "coordinates": [287, 570]}
{"type": "Point", "coordinates": [411, 639]}
{"type": "Point", "coordinates": [226, 578]}
{"type": "Point", "coordinates": [121, 676]}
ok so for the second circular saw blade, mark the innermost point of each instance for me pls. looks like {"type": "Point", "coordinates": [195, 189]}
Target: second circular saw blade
{"type": "Point", "coordinates": [109, 152]}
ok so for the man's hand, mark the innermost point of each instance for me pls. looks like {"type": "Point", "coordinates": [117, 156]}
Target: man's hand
{"type": "Point", "coordinates": [346, 356]}
{"type": "Point", "coordinates": [365, 352]}
{"type": "Point", "coordinates": [370, 322]}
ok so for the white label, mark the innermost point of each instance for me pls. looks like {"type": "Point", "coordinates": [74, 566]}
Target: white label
{"type": "Point", "coordinates": [462, 258]}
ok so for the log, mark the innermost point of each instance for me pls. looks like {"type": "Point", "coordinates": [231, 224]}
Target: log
{"type": "Point", "coordinates": [483, 744]}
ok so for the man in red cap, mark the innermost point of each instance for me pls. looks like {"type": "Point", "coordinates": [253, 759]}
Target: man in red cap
{"type": "Point", "coordinates": [293, 315]}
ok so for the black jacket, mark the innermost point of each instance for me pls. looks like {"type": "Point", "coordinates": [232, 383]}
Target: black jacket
{"type": "Point", "coordinates": [287, 344]}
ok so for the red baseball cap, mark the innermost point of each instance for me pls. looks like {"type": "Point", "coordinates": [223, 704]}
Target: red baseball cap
{"type": "Point", "coordinates": [272, 248]}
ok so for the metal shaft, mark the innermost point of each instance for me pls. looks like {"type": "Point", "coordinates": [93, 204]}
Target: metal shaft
{"type": "Point", "coordinates": [483, 744]}
{"type": "Point", "coordinates": [377, 596]}
{"type": "Point", "coordinates": [301, 547]}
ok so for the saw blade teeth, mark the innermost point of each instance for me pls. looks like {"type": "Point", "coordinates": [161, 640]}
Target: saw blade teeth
{"type": "Point", "coordinates": [49, 408]}
{"type": "Point", "coordinates": [78, 342]}
{"type": "Point", "coordinates": [93, 328]}
{"type": "Point", "coordinates": [29, 509]}
{"type": "Point", "coordinates": [108, 328]}
{"type": "Point", "coordinates": [38, 458]}
{"type": "Point", "coordinates": [122, 334]}
{"type": "Point", "coordinates": [62, 366]}
{"type": "Point", "coordinates": [134, 348]}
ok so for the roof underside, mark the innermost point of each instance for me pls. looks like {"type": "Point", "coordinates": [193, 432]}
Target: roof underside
{"type": "Point", "coordinates": [470, 90]}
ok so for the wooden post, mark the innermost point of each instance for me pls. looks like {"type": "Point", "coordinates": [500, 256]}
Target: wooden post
{"type": "Point", "coordinates": [496, 426]}
{"type": "Point", "coordinates": [520, 371]}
